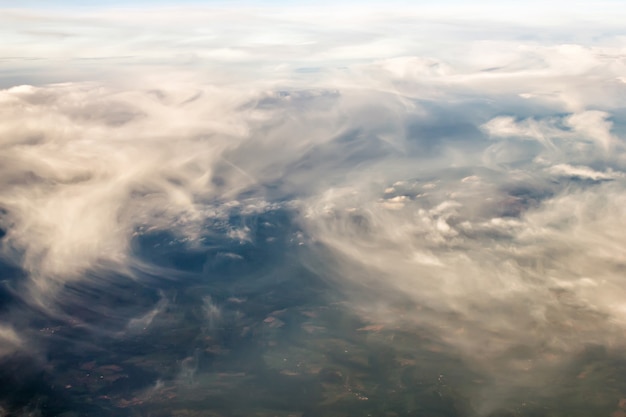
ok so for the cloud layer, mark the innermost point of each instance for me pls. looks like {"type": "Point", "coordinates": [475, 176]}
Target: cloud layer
{"type": "Point", "coordinates": [479, 176]}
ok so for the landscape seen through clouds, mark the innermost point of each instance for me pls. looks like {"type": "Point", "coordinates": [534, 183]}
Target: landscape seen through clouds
{"type": "Point", "coordinates": [311, 210]}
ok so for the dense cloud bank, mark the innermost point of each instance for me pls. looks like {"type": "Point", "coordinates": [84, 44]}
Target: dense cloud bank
{"type": "Point", "coordinates": [486, 189]}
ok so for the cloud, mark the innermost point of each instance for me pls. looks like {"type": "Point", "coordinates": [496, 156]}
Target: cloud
{"type": "Point", "coordinates": [515, 281]}
{"type": "Point", "coordinates": [10, 341]}
{"type": "Point", "coordinates": [564, 170]}
{"type": "Point", "coordinates": [83, 169]}
{"type": "Point", "coordinates": [479, 181]}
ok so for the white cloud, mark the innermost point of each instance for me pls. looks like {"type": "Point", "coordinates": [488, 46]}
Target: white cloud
{"type": "Point", "coordinates": [583, 172]}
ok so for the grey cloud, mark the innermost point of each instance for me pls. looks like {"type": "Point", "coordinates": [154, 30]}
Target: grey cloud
{"type": "Point", "coordinates": [10, 341]}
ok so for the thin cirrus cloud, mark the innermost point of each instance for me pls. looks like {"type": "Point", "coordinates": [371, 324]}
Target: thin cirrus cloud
{"type": "Point", "coordinates": [475, 166]}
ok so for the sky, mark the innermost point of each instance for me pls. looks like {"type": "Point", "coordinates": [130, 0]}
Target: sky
{"type": "Point", "coordinates": [470, 157]}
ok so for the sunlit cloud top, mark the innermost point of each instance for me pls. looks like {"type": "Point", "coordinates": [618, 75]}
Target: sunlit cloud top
{"type": "Point", "coordinates": [94, 40]}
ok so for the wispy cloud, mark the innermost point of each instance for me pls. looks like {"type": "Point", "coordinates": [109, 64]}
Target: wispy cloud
{"type": "Point", "coordinates": [475, 167]}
